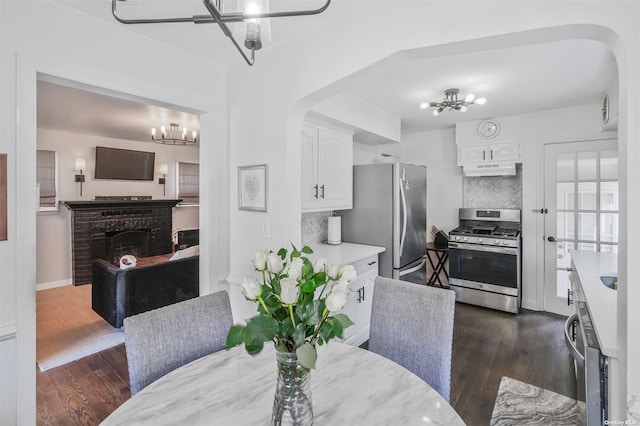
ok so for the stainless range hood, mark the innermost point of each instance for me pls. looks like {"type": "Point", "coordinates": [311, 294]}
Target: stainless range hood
{"type": "Point", "coordinates": [489, 169]}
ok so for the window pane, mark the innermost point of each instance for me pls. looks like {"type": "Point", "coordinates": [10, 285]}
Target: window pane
{"type": "Point", "coordinates": [587, 246]}
{"type": "Point", "coordinates": [609, 196]}
{"type": "Point", "coordinates": [609, 227]}
{"type": "Point", "coordinates": [189, 183]}
{"type": "Point", "coordinates": [587, 195]}
{"type": "Point", "coordinates": [565, 167]}
{"type": "Point", "coordinates": [565, 193]}
{"type": "Point", "coordinates": [609, 165]}
{"type": "Point", "coordinates": [587, 165]}
{"type": "Point", "coordinates": [609, 248]}
{"type": "Point", "coordinates": [565, 229]}
{"type": "Point", "coordinates": [587, 226]}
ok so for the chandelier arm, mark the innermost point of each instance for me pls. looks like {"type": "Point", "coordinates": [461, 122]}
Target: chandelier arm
{"type": "Point", "coordinates": [222, 17]}
{"type": "Point", "coordinates": [225, 29]}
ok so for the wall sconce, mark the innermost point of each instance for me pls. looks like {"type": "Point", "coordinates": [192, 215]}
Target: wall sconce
{"type": "Point", "coordinates": [81, 165]}
{"type": "Point", "coordinates": [164, 170]}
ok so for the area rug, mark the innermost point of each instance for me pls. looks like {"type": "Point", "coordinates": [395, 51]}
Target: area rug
{"type": "Point", "coordinates": [519, 403]}
{"type": "Point", "coordinates": [68, 329]}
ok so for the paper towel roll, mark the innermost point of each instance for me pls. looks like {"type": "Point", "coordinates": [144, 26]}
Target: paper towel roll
{"type": "Point", "coordinates": [334, 230]}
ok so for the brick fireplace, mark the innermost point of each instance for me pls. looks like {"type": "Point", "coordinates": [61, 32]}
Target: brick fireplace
{"type": "Point", "coordinates": [108, 229]}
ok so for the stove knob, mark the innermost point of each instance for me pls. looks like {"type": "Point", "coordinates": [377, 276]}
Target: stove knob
{"type": "Point", "coordinates": [465, 239]}
{"type": "Point", "coordinates": [497, 242]}
{"type": "Point", "coordinates": [457, 238]}
{"type": "Point", "coordinates": [480, 240]}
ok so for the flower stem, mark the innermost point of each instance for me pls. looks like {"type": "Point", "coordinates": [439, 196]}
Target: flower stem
{"type": "Point", "coordinates": [325, 315]}
{"type": "Point", "coordinates": [291, 314]}
{"type": "Point", "coordinates": [263, 305]}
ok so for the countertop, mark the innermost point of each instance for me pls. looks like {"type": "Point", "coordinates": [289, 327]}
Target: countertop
{"type": "Point", "coordinates": [602, 302]}
{"type": "Point", "coordinates": [344, 253]}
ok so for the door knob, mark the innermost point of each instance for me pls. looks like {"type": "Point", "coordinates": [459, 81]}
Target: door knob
{"type": "Point", "coordinates": [551, 239]}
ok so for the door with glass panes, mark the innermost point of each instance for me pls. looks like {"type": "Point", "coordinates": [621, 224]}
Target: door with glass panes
{"type": "Point", "coordinates": [581, 198]}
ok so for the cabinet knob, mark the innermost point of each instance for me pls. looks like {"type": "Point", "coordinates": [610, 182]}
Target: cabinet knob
{"type": "Point", "coordinates": [372, 263]}
{"type": "Point", "coordinates": [322, 189]}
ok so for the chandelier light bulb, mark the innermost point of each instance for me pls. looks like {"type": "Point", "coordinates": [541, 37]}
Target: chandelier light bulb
{"type": "Point", "coordinates": [481, 101]}
{"type": "Point", "coordinates": [424, 105]}
{"type": "Point", "coordinates": [153, 131]}
{"type": "Point", "coordinates": [194, 134]}
{"type": "Point", "coordinates": [469, 98]}
{"type": "Point", "coordinates": [436, 112]}
{"type": "Point", "coordinates": [463, 108]}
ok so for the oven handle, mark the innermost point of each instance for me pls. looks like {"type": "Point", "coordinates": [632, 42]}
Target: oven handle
{"type": "Point", "coordinates": [493, 249]}
{"type": "Point", "coordinates": [569, 341]}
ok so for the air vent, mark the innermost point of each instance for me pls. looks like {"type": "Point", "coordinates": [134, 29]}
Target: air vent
{"type": "Point", "coordinates": [605, 109]}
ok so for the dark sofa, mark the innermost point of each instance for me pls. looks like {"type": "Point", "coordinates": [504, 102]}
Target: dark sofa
{"type": "Point", "coordinates": [118, 293]}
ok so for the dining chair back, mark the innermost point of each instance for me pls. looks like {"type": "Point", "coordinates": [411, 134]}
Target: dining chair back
{"type": "Point", "coordinates": [412, 324]}
{"type": "Point", "coordinates": [159, 341]}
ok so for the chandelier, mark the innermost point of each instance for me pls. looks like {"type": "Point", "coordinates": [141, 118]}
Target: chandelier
{"type": "Point", "coordinates": [452, 102]}
{"type": "Point", "coordinates": [175, 135]}
{"type": "Point", "coordinates": [253, 11]}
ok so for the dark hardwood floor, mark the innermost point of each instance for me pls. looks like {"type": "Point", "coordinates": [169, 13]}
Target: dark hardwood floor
{"type": "Point", "coordinates": [487, 345]}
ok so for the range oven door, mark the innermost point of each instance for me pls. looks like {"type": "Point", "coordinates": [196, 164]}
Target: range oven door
{"type": "Point", "coordinates": [591, 365]}
{"type": "Point", "coordinates": [488, 268]}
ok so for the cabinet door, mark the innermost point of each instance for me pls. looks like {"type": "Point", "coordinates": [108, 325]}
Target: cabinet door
{"type": "Point", "coordinates": [468, 154]}
{"type": "Point", "coordinates": [504, 151]}
{"type": "Point", "coordinates": [365, 283]}
{"type": "Point", "coordinates": [309, 169]}
{"type": "Point", "coordinates": [349, 335]}
{"type": "Point", "coordinates": [335, 170]}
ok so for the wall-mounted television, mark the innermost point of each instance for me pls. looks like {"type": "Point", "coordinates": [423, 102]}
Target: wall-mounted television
{"type": "Point", "coordinates": [124, 164]}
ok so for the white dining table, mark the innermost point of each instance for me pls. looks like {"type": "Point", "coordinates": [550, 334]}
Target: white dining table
{"type": "Point", "coordinates": [349, 386]}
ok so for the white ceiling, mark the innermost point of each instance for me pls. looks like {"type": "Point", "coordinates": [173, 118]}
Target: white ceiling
{"type": "Point", "coordinates": [514, 80]}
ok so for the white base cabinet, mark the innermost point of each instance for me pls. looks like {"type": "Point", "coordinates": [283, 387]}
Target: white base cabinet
{"type": "Point", "coordinates": [358, 307]}
{"type": "Point", "coordinates": [327, 169]}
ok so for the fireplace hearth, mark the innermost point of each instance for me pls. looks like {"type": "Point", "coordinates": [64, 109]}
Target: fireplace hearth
{"type": "Point", "coordinates": [108, 229]}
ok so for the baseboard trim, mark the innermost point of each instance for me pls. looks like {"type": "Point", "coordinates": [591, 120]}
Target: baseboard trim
{"type": "Point", "coordinates": [53, 284]}
{"type": "Point", "coordinates": [7, 332]}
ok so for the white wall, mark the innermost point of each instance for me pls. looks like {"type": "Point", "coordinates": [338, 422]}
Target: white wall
{"type": "Point", "coordinates": [289, 82]}
{"type": "Point", "coordinates": [53, 229]}
{"type": "Point", "coordinates": [45, 36]}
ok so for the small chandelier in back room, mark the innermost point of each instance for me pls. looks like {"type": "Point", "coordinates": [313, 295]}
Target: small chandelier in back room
{"type": "Point", "coordinates": [251, 14]}
{"type": "Point", "coordinates": [174, 136]}
{"type": "Point", "coordinates": [451, 102]}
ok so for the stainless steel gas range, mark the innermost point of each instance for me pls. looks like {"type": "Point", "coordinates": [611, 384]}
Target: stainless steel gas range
{"type": "Point", "coordinates": [485, 258]}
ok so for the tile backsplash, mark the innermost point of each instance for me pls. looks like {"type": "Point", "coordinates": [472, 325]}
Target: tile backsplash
{"type": "Point", "coordinates": [314, 228]}
{"type": "Point", "coordinates": [501, 192]}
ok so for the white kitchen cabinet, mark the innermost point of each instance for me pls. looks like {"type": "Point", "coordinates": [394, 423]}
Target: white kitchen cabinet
{"type": "Point", "coordinates": [494, 152]}
{"type": "Point", "coordinates": [327, 169]}
{"type": "Point", "coordinates": [358, 307]}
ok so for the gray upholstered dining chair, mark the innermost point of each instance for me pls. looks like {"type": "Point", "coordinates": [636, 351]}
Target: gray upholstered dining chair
{"type": "Point", "coordinates": [412, 324]}
{"type": "Point", "coordinates": [159, 341]}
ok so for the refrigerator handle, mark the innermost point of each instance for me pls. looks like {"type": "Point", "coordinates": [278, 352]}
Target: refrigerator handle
{"type": "Point", "coordinates": [404, 213]}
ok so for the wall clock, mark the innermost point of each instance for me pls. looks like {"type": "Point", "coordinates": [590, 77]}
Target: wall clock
{"type": "Point", "coordinates": [488, 129]}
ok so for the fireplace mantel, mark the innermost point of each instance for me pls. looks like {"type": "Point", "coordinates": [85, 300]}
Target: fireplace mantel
{"type": "Point", "coordinates": [103, 204]}
{"type": "Point", "coordinates": [93, 222]}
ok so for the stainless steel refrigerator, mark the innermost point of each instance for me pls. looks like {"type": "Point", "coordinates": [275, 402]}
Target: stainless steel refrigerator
{"type": "Point", "coordinates": [390, 210]}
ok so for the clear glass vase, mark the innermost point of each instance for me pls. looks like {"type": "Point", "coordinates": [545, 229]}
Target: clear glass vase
{"type": "Point", "coordinates": [292, 402]}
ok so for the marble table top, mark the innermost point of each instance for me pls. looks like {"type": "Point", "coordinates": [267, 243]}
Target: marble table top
{"type": "Point", "coordinates": [350, 386]}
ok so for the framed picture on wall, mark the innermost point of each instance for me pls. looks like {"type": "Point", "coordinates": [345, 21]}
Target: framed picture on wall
{"type": "Point", "coordinates": [253, 187]}
{"type": "Point", "coordinates": [3, 197]}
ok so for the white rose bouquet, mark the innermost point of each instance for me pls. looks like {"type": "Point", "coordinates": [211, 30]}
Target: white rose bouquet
{"type": "Point", "coordinates": [289, 313]}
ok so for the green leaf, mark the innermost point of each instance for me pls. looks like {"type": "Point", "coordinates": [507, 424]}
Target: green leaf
{"type": "Point", "coordinates": [275, 285]}
{"type": "Point", "coordinates": [307, 355]}
{"type": "Point", "coordinates": [282, 253]}
{"type": "Point", "coordinates": [337, 327]}
{"type": "Point", "coordinates": [320, 278]}
{"type": "Point", "coordinates": [307, 250]}
{"type": "Point", "coordinates": [327, 331]}
{"type": "Point", "coordinates": [308, 287]}
{"type": "Point", "coordinates": [307, 269]}
{"type": "Point", "coordinates": [309, 313]}
{"type": "Point", "coordinates": [299, 334]}
{"type": "Point", "coordinates": [235, 336]}
{"type": "Point", "coordinates": [261, 328]}
{"type": "Point", "coordinates": [344, 320]}
{"type": "Point", "coordinates": [286, 327]}
{"type": "Point", "coordinates": [254, 347]}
